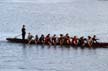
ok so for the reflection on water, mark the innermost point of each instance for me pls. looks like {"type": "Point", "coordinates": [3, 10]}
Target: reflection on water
{"type": "Point", "coordinates": [50, 58]}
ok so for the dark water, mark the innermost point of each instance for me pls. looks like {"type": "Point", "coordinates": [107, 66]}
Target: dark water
{"type": "Point", "coordinates": [76, 17]}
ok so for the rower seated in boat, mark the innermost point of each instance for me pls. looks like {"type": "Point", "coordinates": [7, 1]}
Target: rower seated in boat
{"type": "Point", "coordinates": [61, 39]}
{"type": "Point", "coordinates": [75, 41]}
{"type": "Point", "coordinates": [89, 41]}
{"type": "Point", "coordinates": [29, 38]}
{"type": "Point", "coordinates": [42, 39]}
{"type": "Point", "coordinates": [94, 39]}
{"type": "Point", "coordinates": [67, 39]}
{"type": "Point", "coordinates": [47, 40]}
{"type": "Point", "coordinates": [36, 39]}
{"type": "Point", "coordinates": [81, 41]}
{"type": "Point", "coordinates": [54, 39]}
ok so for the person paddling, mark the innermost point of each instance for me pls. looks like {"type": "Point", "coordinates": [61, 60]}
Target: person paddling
{"type": "Point", "coordinates": [67, 39]}
{"type": "Point", "coordinates": [61, 39]}
{"type": "Point", "coordinates": [54, 40]}
{"type": "Point", "coordinates": [23, 32]}
{"type": "Point", "coordinates": [48, 40]}
{"type": "Point", "coordinates": [30, 38]}
{"type": "Point", "coordinates": [89, 41]}
{"type": "Point", "coordinates": [75, 41]}
{"type": "Point", "coordinates": [81, 41]}
{"type": "Point", "coordinates": [42, 39]}
{"type": "Point", "coordinates": [94, 39]}
{"type": "Point", "coordinates": [36, 39]}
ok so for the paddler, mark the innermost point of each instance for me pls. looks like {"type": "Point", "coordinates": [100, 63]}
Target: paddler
{"type": "Point", "coordinates": [41, 39]}
{"type": "Point", "coordinates": [48, 40]}
{"type": "Point", "coordinates": [81, 41]}
{"type": "Point", "coordinates": [54, 40]}
{"type": "Point", "coordinates": [75, 41]}
{"type": "Point", "coordinates": [89, 41]}
{"type": "Point", "coordinates": [61, 39]}
{"type": "Point", "coordinates": [67, 39]}
{"type": "Point", "coordinates": [29, 38]}
{"type": "Point", "coordinates": [94, 39]}
{"type": "Point", "coordinates": [36, 39]}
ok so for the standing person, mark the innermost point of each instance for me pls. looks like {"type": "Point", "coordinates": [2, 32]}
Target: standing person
{"type": "Point", "coordinates": [23, 32]}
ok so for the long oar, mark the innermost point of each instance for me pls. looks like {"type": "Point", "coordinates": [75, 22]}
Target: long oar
{"type": "Point", "coordinates": [17, 35]}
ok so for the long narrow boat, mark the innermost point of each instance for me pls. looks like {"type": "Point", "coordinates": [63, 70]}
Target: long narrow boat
{"type": "Point", "coordinates": [17, 40]}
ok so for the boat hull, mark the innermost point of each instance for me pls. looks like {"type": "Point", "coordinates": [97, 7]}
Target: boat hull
{"type": "Point", "coordinates": [17, 40]}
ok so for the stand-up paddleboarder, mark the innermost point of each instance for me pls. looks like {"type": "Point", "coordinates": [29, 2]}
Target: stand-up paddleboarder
{"type": "Point", "coordinates": [23, 32]}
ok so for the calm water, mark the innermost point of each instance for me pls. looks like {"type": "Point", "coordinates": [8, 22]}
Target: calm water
{"type": "Point", "coordinates": [76, 17]}
{"type": "Point", "coordinates": [19, 57]}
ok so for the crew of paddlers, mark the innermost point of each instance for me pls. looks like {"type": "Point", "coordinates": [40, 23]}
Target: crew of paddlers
{"type": "Point", "coordinates": [61, 40]}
